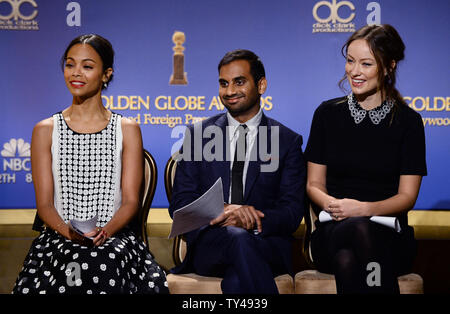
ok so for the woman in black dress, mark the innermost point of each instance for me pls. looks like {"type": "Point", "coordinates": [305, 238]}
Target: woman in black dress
{"type": "Point", "coordinates": [366, 157]}
{"type": "Point", "coordinates": [86, 163]}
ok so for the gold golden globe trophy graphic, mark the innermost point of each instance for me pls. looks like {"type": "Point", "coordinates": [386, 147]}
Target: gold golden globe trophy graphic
{"type": "Point", "coordinates": [178, 77]}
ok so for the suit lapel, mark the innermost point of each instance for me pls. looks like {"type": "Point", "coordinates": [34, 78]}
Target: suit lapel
{"type": "Point", "coordinates": [223, 167]}
{"type": "Point", "coordinates": [254, 166]}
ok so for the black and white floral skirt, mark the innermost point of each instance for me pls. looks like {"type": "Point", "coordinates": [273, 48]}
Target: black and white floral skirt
{"type": "Point", "coordinates": [122, 265]}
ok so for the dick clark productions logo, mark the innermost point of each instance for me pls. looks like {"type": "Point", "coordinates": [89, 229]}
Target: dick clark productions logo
{"type": "Point", "coordinates": [12, 17]}
{"type": "Point", "coordinates": [338, 24]}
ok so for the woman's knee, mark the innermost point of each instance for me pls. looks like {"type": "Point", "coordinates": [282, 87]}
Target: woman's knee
{"type": "Point", "coordinates": [345, 261]}
{"type": "Point", "coordinates": [362, 228]}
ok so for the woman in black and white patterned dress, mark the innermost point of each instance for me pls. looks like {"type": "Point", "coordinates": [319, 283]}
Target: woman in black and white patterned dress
{"type": "Point", "coordinates": [87, 162]}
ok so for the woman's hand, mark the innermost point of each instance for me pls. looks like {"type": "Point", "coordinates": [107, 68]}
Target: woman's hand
{"type": "Point", "coordinates": [99, 236]}
{"type": "Point", "coordinates": [78, 238]}
{"type": "Point", "coordinates": [340, 209]}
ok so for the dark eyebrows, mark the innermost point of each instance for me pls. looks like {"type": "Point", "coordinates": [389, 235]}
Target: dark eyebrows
{"type": "Point", "coordinates": [67, 58]}
{"type": "Point", "coordinates": [235, 79]}
{"type": "Point", "coordinates": [349, 56]}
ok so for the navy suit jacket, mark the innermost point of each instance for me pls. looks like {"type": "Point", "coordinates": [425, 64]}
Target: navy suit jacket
{"type": "Point", "coordinates": [280, 194]}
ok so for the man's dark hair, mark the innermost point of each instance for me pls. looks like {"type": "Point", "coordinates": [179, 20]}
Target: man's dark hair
{"type": "Point", "coordinates": [256, 66]}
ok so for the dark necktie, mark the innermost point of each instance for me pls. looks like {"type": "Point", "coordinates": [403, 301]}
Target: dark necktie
{"type": "Point", "coordinates": [237, 172]}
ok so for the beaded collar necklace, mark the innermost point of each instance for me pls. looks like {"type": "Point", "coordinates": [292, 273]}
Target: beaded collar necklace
{"type": "Point", "coordinates": [376, 114]}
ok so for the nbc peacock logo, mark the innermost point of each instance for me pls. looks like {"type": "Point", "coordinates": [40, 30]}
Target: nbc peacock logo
{"type": "Point", "coordinates": [16, 146]}
{"type": "Point", "coordinates": [16, 157]}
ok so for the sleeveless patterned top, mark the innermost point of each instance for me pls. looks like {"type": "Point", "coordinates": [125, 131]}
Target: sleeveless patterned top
{"type": "Point", "coordinates": [87, 170]}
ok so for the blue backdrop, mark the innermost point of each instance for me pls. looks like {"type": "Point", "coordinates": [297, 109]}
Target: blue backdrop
{"type": "Point", "coordinates": [298, 41]}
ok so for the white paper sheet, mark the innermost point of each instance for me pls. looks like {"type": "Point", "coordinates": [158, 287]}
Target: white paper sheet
{"type": "Point", "coordinates": [200, 212]}
{"type": "Point", "coordinates": [391, 222]}
{"type": "Point", "coordinates": [84, 226]}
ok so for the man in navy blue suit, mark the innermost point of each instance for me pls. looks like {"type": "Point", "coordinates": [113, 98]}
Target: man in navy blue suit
{"type": "Point", "coordinates": [250, 242]}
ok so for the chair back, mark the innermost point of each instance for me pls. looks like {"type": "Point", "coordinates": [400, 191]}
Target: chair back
{"type": "Point", "coordinates": [169, 174]}
{"type": "Point", "coordinates": [310, 222]}
{"type": "Point", "coordinates": [179, 245]}
{"type": "Point", "coordinates": [139, 223]}
{"type": "Point", "coordinates": [38, 223]}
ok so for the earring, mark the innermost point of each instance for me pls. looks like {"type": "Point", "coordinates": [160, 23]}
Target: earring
{"type": "Point", "coordinates": [105, 85]}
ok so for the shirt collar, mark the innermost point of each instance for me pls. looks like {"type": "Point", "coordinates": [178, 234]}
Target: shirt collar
{"type": "Point", "coordinates": [252, 124]}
